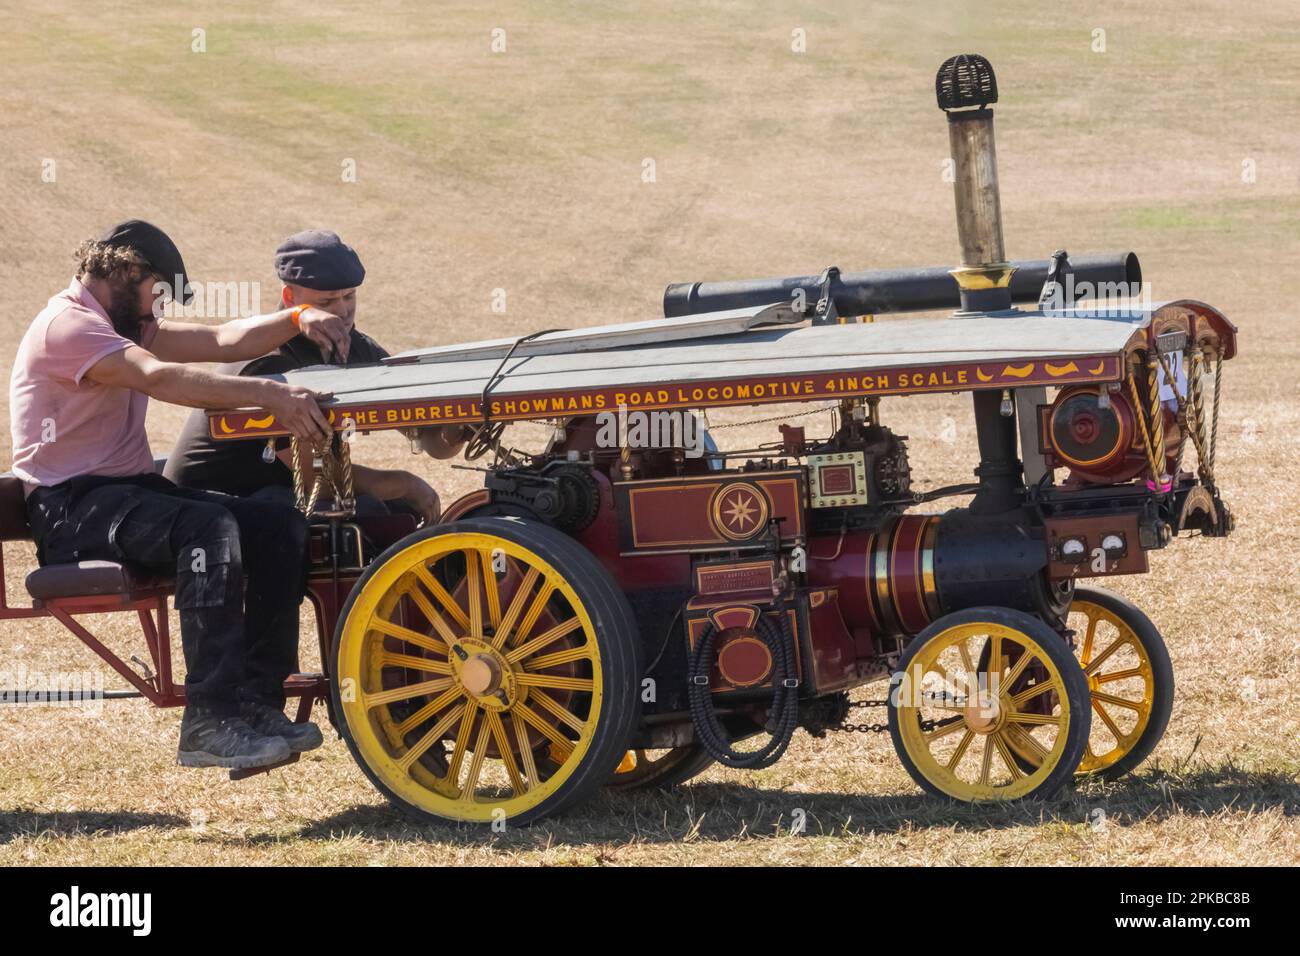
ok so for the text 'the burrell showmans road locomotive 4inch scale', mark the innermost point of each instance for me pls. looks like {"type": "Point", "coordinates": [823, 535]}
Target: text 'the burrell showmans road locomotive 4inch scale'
{"type": "Point", "coordinates": [604, 613]}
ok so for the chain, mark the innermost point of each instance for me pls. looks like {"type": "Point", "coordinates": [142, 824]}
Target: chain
{"type": "Point", "coordinates": [775, 418]}
{"type": "Point", "coordinates": [926, 725]}
{"type": "Point", "coordinates": [864, 728]}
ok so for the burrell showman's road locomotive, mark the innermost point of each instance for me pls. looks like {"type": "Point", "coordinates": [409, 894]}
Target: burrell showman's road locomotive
{"type": "Point", "coordinates": [616, 611]}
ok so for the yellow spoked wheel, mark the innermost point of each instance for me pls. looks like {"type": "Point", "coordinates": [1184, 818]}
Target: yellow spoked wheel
{"type": "Point", "coordinates": [486, 670]}
{"type": "Point", "coordinates": [957, 724]}
{"type": "Point", "coordinates": [642, 769]}
{"type": "Point", "coordinates": [1130, 680]}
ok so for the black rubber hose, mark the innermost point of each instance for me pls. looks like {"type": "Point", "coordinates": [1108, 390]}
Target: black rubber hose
{"type": "Point", "coordinates": [785, 698]}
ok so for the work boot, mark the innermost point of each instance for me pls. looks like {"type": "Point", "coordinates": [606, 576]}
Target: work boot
{"type": "Point", "coordinates": [209, 739]}
{"type": "Point", "coordinates": [271, 721]}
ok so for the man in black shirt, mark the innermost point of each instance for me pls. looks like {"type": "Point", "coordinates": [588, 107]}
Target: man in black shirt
{"type": "Point", "coordinates": [320, 271]}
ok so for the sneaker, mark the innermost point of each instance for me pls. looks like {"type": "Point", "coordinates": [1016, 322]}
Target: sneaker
{"type": "Point", "coordinates": [214, 740]}
{"type": "Point", "coordinates": [271, 721]}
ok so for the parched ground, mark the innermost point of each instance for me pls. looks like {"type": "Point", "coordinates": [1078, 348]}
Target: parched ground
{"type": "Point", "coordinates": [524, 171]}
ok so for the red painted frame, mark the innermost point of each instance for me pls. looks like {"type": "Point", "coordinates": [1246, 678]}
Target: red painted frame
{"type": "Point", "coordinates": [326, 593]}
{"type": "Point", "coordinates": [150, 604]}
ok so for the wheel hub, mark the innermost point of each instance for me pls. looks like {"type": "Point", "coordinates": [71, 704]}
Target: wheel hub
{"type": "Point", "coordinates": [983, 716]}
{"type": "Point", "coordinates": [484, 674]}
{"type": "Point", "coordinates": [481, 675]}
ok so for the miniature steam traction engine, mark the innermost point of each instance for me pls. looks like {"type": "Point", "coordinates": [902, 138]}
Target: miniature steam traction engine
{"type": "Point", "coordinates": [604, 614]}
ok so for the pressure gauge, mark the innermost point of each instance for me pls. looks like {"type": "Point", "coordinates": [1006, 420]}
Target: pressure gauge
{"type": "Point", "coordinates": [1113, 544]}
{"type": "Point", "coordinates": [1074, 549]}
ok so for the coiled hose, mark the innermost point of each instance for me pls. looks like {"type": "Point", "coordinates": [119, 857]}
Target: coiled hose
{"type": "Point", "coordinates": [785, 697]}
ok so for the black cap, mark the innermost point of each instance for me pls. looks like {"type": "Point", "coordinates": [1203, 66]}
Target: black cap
{"type": "Point", "coordinates": [318, 259]}
{"type": "Point", "coordinates": [156, 247]}
{"type": "Point", "coordinates": [964, 81]}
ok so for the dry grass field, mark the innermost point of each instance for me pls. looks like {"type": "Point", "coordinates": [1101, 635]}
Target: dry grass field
{"type": "Point", "coordinates": [522, 171]}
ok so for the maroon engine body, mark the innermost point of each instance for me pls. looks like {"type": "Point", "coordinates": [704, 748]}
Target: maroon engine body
{"type": "Point", "coordinates": [827, 525]}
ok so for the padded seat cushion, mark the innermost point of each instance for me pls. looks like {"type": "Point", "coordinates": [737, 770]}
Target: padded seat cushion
{"type": "Point", "coordinates": [86, 579]}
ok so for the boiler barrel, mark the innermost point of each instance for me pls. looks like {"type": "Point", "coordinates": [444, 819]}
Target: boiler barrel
{"type": "Point", "coordinates": [918, 567]}
{"type": "Point", "coordinates": [891, 290]}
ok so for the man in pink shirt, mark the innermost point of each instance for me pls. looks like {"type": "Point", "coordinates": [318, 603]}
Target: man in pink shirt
{"type": "Point", "coordinates": [81, 383]}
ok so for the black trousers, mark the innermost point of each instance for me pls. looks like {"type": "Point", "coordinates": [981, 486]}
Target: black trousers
{"type": "Point", "coordinates": [239, 643]}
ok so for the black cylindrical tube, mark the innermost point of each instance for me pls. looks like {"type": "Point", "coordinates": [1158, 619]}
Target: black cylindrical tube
{"type": "Point", "coordinates": [1000, 472]}
{"type": "Point", "coordinates": [890, 290]}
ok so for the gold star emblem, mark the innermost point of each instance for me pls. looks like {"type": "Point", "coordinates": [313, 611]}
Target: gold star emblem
{"type": "Point", "coordinates": [740, 512]}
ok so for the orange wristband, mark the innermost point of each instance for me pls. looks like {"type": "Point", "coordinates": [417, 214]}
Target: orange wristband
{"type": "Point", "coordinates": [295, 316]}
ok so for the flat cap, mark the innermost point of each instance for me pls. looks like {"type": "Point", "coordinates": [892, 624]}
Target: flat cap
{"type": "Point", "coordinates": [319, 259]}
{"type": "Point", "coordinates": [157, 247]}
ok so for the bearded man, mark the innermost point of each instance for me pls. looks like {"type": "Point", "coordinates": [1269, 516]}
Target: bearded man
{"type": "Point", "coordinates": [81, 383]}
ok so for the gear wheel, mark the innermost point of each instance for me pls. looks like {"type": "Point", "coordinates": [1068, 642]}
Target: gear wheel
{"type": "Point", "coordinates": [581, 497]}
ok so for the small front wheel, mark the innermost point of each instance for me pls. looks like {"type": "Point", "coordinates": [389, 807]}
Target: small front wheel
{"type": "Point", "coordinates": [958, 726]}
{"type": "Point", "coordinates": [1130, 681]}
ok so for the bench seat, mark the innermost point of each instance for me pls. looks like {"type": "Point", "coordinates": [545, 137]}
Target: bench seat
{"type": "Point", "coordinates": [88, 579]}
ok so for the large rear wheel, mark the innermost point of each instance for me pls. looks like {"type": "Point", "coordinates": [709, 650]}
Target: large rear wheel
{"type": "Point", "coordinates": [660, 769]}
{"type": "Point", "coordinates": [486, 670]}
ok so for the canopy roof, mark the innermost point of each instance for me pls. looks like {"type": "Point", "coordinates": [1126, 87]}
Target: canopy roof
{"type": "Point", "coordinates": [744, 357]}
